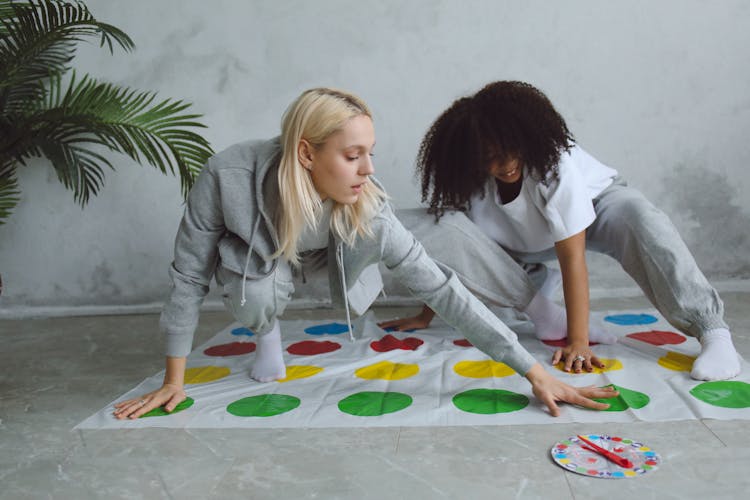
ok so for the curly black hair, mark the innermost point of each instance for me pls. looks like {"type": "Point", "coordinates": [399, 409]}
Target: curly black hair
{"type": "Point", "coordinates": [504, 120]}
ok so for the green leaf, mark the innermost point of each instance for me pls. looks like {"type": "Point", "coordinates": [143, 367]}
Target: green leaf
{"type": "Point", "coordinates": [38, 41]}
{"type": "Point", "coordinates": [88, 113]}
{"type": "Point", "coordinates": [9, 191]}
{"type": "Point", "coordinates": [74, 124]}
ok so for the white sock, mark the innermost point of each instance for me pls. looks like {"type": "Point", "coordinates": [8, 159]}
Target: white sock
{"type": "Point", "coordinates": [552, 283]}
{"type": "Point", "coordinates": [269, 357]}
{"type": "Point", "coordinates": [718, 359]}
{"type": "Point", "coordinates": [551, 321]}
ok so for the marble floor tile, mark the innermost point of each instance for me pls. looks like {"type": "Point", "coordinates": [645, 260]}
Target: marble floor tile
{"type": "Point", "coordinates": [56, 372]}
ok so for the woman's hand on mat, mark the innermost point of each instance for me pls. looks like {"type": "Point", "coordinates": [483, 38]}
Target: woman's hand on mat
{"type": "Point", "coordinates": [421, 320]}
{"type": "Point", "coordinates": [550, 390]}
{"type": "Point", "coordinates": [577, 356]}
{"type": "Point", "coordinates": [168, 396]}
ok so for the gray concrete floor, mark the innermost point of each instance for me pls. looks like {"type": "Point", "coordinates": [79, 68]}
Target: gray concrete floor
{"type": "Point", "coordinates": [56, 372]}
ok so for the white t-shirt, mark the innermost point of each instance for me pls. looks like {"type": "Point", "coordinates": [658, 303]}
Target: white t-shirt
{"type": "Point", "coordinates": [542, 215]}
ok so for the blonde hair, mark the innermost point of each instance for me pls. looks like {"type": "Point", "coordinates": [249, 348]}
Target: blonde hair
{"type": "Point", "coordinates": [314, 116]}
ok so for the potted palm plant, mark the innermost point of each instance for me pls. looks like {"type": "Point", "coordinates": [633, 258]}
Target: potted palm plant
{"type": "Point", "coordinates": [71, 120]}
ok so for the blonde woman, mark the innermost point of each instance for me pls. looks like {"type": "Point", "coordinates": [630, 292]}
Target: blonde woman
{"type": "Point", "coordinates": [262, 207]}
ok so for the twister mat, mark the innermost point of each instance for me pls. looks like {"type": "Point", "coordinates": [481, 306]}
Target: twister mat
{"type": "Point", "coordinates": [431, 377]}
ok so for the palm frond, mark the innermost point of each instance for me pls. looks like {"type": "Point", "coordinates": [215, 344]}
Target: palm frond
{"type": "Point", "coordinates": [39, 40]}
{"type": "Point", "coordinates": [93, 113]}
{"type": "Point", "coordinates": [78, 168]}
{"type": "Point", "coordinates": [9, 191]}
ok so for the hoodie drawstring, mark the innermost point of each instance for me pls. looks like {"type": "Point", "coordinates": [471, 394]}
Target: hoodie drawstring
{"type": "Point", "coordinates": [247, 259]}
{"type": "Point", "coordinates": [340, 262]}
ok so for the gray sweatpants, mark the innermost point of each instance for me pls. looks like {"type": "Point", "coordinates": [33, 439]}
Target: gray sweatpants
{"type": "Point", "coordinates": [265, 298]}
{"type": "Point", "coordinates": [627, 227]}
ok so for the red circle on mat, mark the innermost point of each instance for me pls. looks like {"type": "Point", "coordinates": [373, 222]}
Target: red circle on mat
{"type": "Point", "coordinates": [313, 347]}
{"type": "Point", "coordinates": [657, 337]}
{"type": "Point", "coordinates": [463, 343]}
{"type": "Point", "coordinates": [231, 349]}
{"type": "Point", "coordinates": [390, 343]}
{"type": "Point", "coordinates": [563, 342]}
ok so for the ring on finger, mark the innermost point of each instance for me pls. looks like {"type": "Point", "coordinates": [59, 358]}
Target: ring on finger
{"type": "Point", "coordinates": [579, 358]}
{"type": "Point", "coordinates": [142, 402]}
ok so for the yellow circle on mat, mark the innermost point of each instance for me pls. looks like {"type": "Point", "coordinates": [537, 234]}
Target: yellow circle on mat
{"type": "Point", "coordinates": [483, 369]}
{"type": "Point", "coordinates": [629, 473]}
{"type": "Point", "coordinates": [295, 372]}
{"type": "Point", "coordinates": [677, 362]}
{"type": "Point", "coordinates": [204, 374]}
{"type": "Point", "coordinates": [610, 365]}
{"type": "Point", "coordinates": [386, 370]}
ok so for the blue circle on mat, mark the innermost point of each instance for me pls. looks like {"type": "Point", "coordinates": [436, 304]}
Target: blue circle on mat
{"type": "Point", "coordinates": [329, 328]}
{"type": "Point", "coordinates": [618, 474]}
{"type": "Point", "coordinates": [393, 329]}
{"type": "Point", "coordinates": [631, 319]}
{"type": "Point", "coordinates": [242, 331]}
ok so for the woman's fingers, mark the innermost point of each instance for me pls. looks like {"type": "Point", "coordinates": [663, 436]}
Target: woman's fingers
{"type": "Point", "coordinates": [598, 392]}
{"type": "Point", "coordinates": [557, 356]}
{"type": "Point", "coordinates": [128, 408]}
{"type": "Point", "coordinates": [580, 400]}
{"type": "Point", "coordinates": [388, 324]}
{"type": "Point", "coordinates": [549, 401]}
{"type": "Point", "coordinates": [403, 324]}
{"type": "Point", "coordinates": [134, 408]}
{"type": "Point", "coordinates": [174, 401]}
{"type": "Point", "coordinates": [577, 361]}
{"type": "Point", "coordinates": [144, 408]}
{"type": "Point", "coordinates": [587, 364]}
{"type": "Point", "coordinates": [597, 362]}
{"type": "Point", "coordinates": [569, 361]}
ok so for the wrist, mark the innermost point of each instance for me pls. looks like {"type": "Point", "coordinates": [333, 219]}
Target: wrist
{"type": "Point", "coordinates": [174, 374]}
{"type": "Point", "coordinates": [578, 340]}
{"type": "Point", "coordinates": [536, 374]}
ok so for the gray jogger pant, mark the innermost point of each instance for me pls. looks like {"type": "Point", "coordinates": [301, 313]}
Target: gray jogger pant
{"type": "Point", "coordinates": [265, 298]}
{"type": "Point", "coordinates": [481, 264]}
{"type": "Point", "coordinates": [644, 241]}
{"type": "Point", "coordinates": [627, 227]}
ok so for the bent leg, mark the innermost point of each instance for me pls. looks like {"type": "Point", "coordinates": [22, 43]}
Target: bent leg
{"type": "Point", "coordinates": [647, 245]}
{"type": "Point", "coordinates": [265, 300]}
{"type": "Point", "coordinates": [490, 272]}
{"type": "Point", "coordinates": [480, 263]}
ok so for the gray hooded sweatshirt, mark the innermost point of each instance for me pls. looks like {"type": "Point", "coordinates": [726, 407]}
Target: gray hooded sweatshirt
{"type": "Point", "coordinates": [230, 219]}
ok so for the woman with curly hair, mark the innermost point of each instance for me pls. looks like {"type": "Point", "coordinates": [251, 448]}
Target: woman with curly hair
{"type": "Point", "coordinates": [506, 159]}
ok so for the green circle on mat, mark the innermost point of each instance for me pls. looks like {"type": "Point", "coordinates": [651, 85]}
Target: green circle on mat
{"type": "Point", "coordinates": [626, 399]}
{"type": "Point", "coordinates": [265, 405]}
{"type": "Point", "coordinates": [723, 393]}
{"type": "Point", "coordinates": [490, 401]}
{"type": "Point", "coordinates": [161, 412]}
{"type": "Point", "coordinates": [373, 404]}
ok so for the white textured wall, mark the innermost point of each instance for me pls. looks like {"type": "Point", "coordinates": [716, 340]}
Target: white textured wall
{"type": "Point", "coordinates": [659, 90]}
